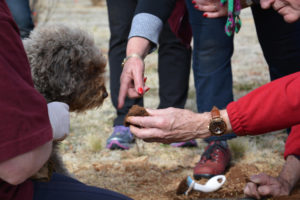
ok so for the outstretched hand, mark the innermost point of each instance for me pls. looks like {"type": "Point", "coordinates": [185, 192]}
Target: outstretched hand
{"type": "Point", "coordinates": [263, 185]}
{"type": "Point", "coordinates": [170, 125]}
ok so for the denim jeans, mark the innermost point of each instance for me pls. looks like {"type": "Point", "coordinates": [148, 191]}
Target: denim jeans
{"type": "Point", "coordinates": [211, 63]}
{"type": "Point", "coordinates": [61, 187]}
{"type": "Point", "coordinates": [21, 13]}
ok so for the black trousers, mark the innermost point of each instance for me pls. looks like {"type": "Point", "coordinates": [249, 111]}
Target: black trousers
{"type": "Point", "coordinates": [174, 60]}
{"type": "Point", "coordinates": [279, 40]}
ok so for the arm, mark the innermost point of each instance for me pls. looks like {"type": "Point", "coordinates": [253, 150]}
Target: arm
{"type": "Point", "coordinates": [21, 167]}
{"type": "Point", "coordinates": [273, 106]}
{"type": "Point", "coordinates": [145, 29]}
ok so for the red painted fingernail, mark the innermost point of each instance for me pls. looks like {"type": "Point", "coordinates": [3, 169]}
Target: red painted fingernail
{"type": "Point", "coordinates": [193, 2]}
{"type": "Point", "coordinates": [140, 91]}
{"type": "Point", "coordinates": [147, 90]}
{"type": "Point", "coordinates": [145, 79]}
{"type": "Point", "coordinates": [204, 15]}
{"type": "Point", "coordinates": [196, 6]}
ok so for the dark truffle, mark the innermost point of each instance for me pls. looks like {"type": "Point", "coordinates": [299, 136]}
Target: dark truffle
{"type": "Point", "coordinates": [135, 110]}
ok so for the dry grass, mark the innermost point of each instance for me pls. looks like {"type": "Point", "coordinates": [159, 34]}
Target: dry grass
{"type": "Point", "coordinates": [153, 171]}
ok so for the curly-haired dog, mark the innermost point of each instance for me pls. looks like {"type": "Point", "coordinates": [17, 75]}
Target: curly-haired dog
{"type": "Point", "coordinates": [66, 66]}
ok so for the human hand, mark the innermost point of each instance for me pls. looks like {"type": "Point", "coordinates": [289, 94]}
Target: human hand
{"type": "Point", "coordinates": [132, 80]}
{"type": "Point", "coordinates": [60, 119]}
{"type": "Point", "coordinates": [289, 9]}
{"type": "Point", "coordinates": [264, 185]}
{"type": "Point", "coordinates": [170, 125]}
{"type": "Point", "coordinates": [211, 8]}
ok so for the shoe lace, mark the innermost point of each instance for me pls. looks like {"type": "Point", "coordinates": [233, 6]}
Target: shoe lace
{"type": "Point", "coordinates": [211, 152]}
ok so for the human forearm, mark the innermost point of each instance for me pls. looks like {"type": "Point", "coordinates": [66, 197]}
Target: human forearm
{"type": "Point", "coordinates": [21, 167]}
{"type": "Point", "coordinates": [138, 45]}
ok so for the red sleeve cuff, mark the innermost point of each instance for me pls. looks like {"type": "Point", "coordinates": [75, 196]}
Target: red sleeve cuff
{"type": "Point", "coordinates": [235, 119]}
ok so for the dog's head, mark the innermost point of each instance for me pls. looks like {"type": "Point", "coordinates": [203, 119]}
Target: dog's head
{"type": "Point", "coordinates": [67, 66]}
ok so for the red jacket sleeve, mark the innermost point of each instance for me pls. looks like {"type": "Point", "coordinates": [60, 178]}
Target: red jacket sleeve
{"type": "Point", "coordinates": [273, 106]}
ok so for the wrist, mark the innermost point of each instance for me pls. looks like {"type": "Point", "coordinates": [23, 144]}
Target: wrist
{"type": "Point", "coordinates": [131, 56]}
{"type": "Point", "coordinates": [290, 173]}
{"type": "Point", "coordinates": [225, 117]}
{"type": "Point", "coordinates": [203, 120]}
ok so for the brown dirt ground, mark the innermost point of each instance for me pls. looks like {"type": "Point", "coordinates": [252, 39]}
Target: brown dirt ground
{"type": "Point", "coordinates": [153, 171]}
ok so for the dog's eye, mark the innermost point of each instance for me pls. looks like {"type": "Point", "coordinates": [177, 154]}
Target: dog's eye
{"type": "Point", "coordinates": [104, 95]}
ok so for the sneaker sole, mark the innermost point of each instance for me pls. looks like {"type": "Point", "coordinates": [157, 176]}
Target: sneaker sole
{"type": "Point", "coordinates": [189, 145]}
{"type": "Point", "coordinates": [116, 145]}
{"type": "Point", "coordinates": [199, 176]}
{"type": "Point", "coordinates": [207, 176]}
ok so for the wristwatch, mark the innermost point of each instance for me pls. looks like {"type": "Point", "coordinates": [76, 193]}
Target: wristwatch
{"type": "Point", "coordinates": [217, 125]}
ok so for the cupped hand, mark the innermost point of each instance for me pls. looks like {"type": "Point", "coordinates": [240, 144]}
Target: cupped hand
{"type": "Point", "coordinates": [211, 8]}
{"type": "Point", "coordinates": [263, 185]}
{"type": "Point", "coordinates": [132, 82]}
{"type": "Point", "coordinates": [170, 125]}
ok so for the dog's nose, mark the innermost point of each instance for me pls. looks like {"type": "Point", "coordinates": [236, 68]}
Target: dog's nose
{"type": "Point", "coordinates": [104, 95]}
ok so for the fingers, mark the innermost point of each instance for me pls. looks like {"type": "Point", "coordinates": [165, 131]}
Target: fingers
{"type": "Point", "coordinates": [156, 112]}
{"type": "Point", "coordinates": [152, 134]}
{"type": "Point", "coordinates": [266, 4]}
{"type": "Point", "coordinates": [207, 8]}
{"type": "Point", "coordinates": [124, 86]}
{"type": "Point", "coordinates": [260, 179]}
{"type": "Point", "coordinates": [147, 122]}
{"type": "Point", "coordinates": [267, 190]}
{"type": "Point", "coordinates": [251, 190]}
{"type": "Point", "coordinates": [278, 4]}
{"type": "Point", "coordinates": [215, 14]}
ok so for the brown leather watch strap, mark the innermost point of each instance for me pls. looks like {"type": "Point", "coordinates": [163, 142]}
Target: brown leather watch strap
{"type": "Point", "coordinates": [215, 113]}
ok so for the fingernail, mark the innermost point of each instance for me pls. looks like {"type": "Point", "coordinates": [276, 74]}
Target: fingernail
{"type": "Point", "coordinates": [196, 6]}
{"type": "Point", "coordinates": [204, 15]}
{"type": "Point", "coordinates": [140, 91]}
{"type": "Point", "coordinates": [145, 79]}
{"type": "Point", "coordinates": [147, 90]}
{"type": "Point", "coordinates": [193, 2]}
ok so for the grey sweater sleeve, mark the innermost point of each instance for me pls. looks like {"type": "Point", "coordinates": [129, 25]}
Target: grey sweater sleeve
{"type": "Point", "coordinates": [147, 26]}
{"type": "Point", "coordinates": [150, 15]}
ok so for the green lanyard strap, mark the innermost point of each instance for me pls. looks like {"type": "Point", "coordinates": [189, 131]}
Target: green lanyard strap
{"type": "Point", "coordinates": [233, 23]}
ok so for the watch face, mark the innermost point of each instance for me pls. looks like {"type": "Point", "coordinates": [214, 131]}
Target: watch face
{"type": "Point", "coordinates": [217, 126]}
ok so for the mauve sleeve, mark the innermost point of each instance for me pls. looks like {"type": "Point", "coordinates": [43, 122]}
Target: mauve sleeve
{"type": "Point", "coordinates": [24, 122]}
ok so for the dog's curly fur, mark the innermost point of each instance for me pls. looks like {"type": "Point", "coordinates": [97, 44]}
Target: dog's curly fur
{"type": "Point", "coordinates": [66, 66]}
